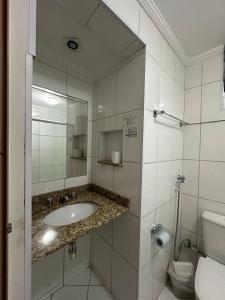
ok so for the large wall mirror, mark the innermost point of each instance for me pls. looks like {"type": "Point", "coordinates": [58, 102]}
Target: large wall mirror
{"type": "Point", "coordinates": [59, 136]}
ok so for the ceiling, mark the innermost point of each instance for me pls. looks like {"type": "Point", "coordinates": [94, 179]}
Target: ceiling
{"type": "Point", "coordinates": [104, 40]}
{"type": "Point", "coordinates": [199, 25]}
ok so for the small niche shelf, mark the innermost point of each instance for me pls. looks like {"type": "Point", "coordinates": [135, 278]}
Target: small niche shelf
{"type": "Point", "coordinates": [110, 141]}
{"type": "Point", "coordinates": [108, 162]}
{"type": "Point", "coordinates": [78, 158]}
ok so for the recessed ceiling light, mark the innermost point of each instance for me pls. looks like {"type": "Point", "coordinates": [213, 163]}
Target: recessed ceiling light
{"type": "Point", "coordinates": [72, 44]}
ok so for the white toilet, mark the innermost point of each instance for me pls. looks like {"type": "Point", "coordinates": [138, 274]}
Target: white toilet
{"type": "Point", "coordinates": [210, 274]}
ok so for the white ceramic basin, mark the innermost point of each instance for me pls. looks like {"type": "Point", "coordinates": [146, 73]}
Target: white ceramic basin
{"type": "Point", "coordinates": [70, 214]}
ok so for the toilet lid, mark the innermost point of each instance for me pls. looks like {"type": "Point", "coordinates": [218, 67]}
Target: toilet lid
{"type": "Point", "coordinates": [210, 280]}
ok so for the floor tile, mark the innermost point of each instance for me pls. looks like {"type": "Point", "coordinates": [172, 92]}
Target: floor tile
{"type": "Point", "coordinates": [83, 278]}
{"type": "Point", "coordinates": [94, 279]}
{"type": "Point", "coordinates": [71, 293]}
{"type": "Point", "coordinates": [99, 293]}
{"type": "Point", "coordinates": [167, 295]}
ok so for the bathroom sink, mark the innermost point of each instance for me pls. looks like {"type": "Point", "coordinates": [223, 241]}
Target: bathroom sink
{"type": "Point", "coordinates": [70, 214]}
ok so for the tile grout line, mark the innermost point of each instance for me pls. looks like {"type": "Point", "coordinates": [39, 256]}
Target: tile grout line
{"type": "Point", "coordinates": [88, 287]}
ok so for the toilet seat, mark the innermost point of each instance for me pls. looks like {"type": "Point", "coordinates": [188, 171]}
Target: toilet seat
{"type": "Point", "coordinates": [210, 280]}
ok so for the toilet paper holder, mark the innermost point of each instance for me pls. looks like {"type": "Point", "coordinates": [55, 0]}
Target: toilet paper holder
{"type": "Point", "coordinates": [161, 234]}
{"type": "Point", "coordinates": [156, 228]}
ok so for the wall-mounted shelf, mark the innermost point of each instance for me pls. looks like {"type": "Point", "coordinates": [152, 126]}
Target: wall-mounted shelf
{"type": "Point", "coordinates": [157, 113]}
{"type": "Point", "coordinates": [78, 158]}
{"type": "Point", "coordinates": [108, 162]}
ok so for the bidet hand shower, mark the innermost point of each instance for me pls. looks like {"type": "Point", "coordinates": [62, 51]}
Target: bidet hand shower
{"type": "Point", "coordinates": [180, 180]}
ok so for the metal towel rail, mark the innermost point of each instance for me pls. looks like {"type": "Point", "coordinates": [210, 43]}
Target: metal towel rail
{"type": "Point", "coordinates": [157, 113]}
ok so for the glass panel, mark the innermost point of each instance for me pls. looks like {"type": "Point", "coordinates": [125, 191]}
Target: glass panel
{"type": "Point", "coordinates": [59, 136]}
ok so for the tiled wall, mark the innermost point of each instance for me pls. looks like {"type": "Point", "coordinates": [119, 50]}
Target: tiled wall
{"type": "Point", "coordinates": [149, 179]}
{"type": "Point", "coordinates": [204, 147]}
{"type": "Point", "coordinates": [56, 270]}
{"type": "Point", "coordinates": [59, 81]}
{"type": "Point", "coordinates": [162, 158]}
{"type": "Point", "coordinates": [48, 145]}
{"type": "Point", "coordinates": [115, 246]}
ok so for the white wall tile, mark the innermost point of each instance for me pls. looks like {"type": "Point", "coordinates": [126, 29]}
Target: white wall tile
{"type": "Point", "coordinates": [124, 278]}
{"type": "Point", "coordinates": [102, 258]}
{"type": "Point", "coordinates": [165, 186]}
{"type": "Point", "coordinates": [171, 95]}
{"type": "Point", "coordinates": [130, 85]}
{"type": "Point", "coordinates": [212, 102]}
{"type": "Point", "coordinates": [46, 187]}
{"type": "Point", "coordinates": [104, 176]}
{"type": "Point", "coordinates": [189, 206]}
{"type": "Point", "coordinates": [49, 77]}
{"type": "Point", "coordinates": [152, 83]}
{"type": "Point", "coordinates": [167, 92]}
{"type": "Point", "coordinates": [161, 260]}
{"type": "Point", "coordinates": [177, 138]}
{"type": "Point", "coordinates": [131, 16]}
{"type": "Point", "coordinates": [212, 141]}
{"type": "Point", "coordinates": [106, 231]}
{"type": "Point", "coordinates": [168, 58]}
{"type": "Point", "coordinates": [148, 193]}
{"type": "Point", "coordinates": [130, 176]}
{"type": "Point", "coordinates": [132, 145]}
{"type": "Point", "coordinates": [179, 72]}
{"type": "Point", "coordinates": [146, 242]}
{"type": "Point", "coordinates": [79, 89]}
{"type": "Point", "coordinates": [47, 274]}
{"type": "Point", "coordinates": [163, 216]}
{"type": "Point", "coordinates": [165, 141]}
{"type": "Point", "coordinates": [150, 35]}
{"type": "Point", "coordinates": [192, 111]}
{"type": "Point", "coordinates": [193, 76]}
{"type": "Point", "coordinates": [106, 96]}
{"type": "Point", "coordinates": [212, 69]}
{"type": "Point", "coordinates": [146, 282]}
{"type": "Point", "coordinates": [191, 142]}
{"type": "Point", "coordinates": [126, 230]}
{"type": "Point", "coordinates": [211, 182]}
{"type": "Point", "coordinates": [150, 137]}
{"type": "Point", "coordinates": [191, 173]}
{"type": "Point", "coordinates": [82, 261]}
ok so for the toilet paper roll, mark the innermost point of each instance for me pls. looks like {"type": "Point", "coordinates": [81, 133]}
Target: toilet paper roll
{"type": "Point", "coordinates": [162, 237]}
{"type": "Point", "coordinates": [116, 157]}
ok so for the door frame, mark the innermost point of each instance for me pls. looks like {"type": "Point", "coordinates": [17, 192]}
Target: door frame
{"type": "Point", "coordinates": [3, 150]}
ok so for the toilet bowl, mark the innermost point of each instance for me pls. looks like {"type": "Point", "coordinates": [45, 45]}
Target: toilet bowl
{"type": "Point", "coordinates": [210, 280]}
{"type": "Point", "coordinates": [210, 274]}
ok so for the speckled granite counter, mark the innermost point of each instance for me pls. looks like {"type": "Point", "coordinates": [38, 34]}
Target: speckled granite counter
{"type": "Point", "coordinates": [109, 204]}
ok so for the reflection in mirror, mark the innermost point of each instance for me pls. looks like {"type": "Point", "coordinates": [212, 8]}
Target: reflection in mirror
{"type": "Point", "coordinates": [59, 136]}
{"type": "Point", "coordinates": [76, 138]}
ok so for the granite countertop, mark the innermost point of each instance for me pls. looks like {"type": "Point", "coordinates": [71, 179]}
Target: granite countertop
{"type": "Point", "coordinates": [48, 239]}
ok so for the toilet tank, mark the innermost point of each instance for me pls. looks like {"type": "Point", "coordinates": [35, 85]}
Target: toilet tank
{"type": "Point", "coordinates": [213, 227]}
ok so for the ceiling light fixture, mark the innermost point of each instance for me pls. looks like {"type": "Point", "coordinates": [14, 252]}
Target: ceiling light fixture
{"type": "Point", "coordinates": [51, 100]}
{"type": "Point", "coordinates": [72, 43]}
